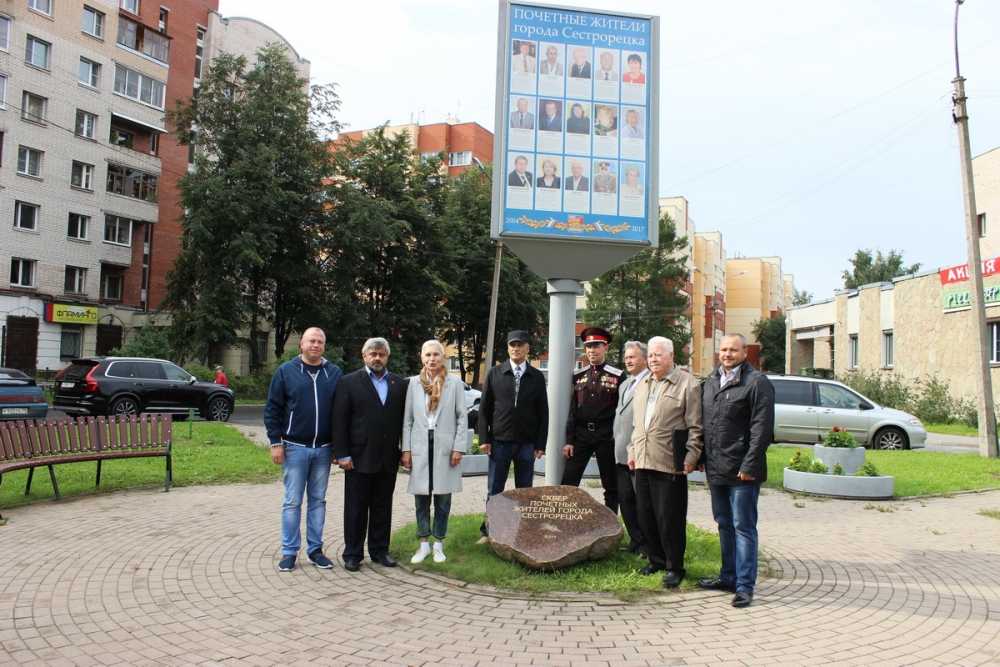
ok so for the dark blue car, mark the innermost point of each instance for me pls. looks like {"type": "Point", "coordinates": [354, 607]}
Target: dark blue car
{"type": "Point", "coordinates": [20, 396]}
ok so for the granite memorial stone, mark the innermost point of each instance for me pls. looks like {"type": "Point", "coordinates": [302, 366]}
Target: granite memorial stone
{"type": "Point", "coordinates": [551, 527]}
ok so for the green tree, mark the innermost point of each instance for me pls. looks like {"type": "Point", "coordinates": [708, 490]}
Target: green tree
{"type": "Point", "coordinates": [387, 261]}
{"type": "Point", "coordinates": [801, 298]}
{"type": "Point", "coordinates": [522, 303]}
{"type": "Point", "coordinates": [770, 333]}
{"type": "Point", "coordinates": [868, 268]}
{"type": "Point", "coordinates": [149, 342]}
{"type": "Point", "coordinates": [253, 204]}
{"type": "Point", "coordinates": [642, 298]}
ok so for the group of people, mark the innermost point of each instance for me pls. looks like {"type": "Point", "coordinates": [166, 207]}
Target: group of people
{"type": "Point", "coordinates": [523, 61]}
{"type": "Point", "coordinates": [648, 430]}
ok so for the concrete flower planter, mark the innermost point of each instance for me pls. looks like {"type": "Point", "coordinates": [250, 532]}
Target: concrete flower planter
{"type": "Point", "coordinates": [839, 486]}
{"type": "Point", "coordinates": [475, 464]}
{"type": "Point", "coordinates": [590, 472]}
{"type": "Point", "coordinates": [850, 459]}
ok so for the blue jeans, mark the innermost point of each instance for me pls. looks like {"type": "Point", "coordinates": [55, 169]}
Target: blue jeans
{"type": "Point", "coordinates": [501, 454]}
{"type": "Point", "coordinates": [442, 509]}
{"type": "Point", "coordinates": [735, 510]}
{"type": "Point", "coordinates": [307, 470]}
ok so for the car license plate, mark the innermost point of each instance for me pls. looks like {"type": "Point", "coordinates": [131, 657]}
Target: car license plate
{"type": "Point", "coordinates": [14, 411]}
{"type": "Point", "coordinates": [66, 385]}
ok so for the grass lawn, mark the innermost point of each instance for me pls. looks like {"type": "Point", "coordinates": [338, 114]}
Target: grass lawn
{"type": "Point", "coordinates": [953, 429]}
{"type": "Point", "coordinates": [216, 454]}
{"type": "Point", "coordinates": [616, 574]}
{"type": "Point", "coordinates": [917, 473]}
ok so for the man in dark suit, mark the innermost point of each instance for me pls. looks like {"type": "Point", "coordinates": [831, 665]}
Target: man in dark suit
{"type": "Point", "coordinates": [577, 181]}
{"type": "Point", "coordinates": [550, 120]}
{"type": "Point", "coordinates": [520, 177]}
{"type": "Point", "coordinates": [367, 430]}
{"type": "Point", "coordinates": [522, 118]}
{"type": "Point", "coordinates": [581, 66]}
{"type": "Point", "coordinates": [513, 418]}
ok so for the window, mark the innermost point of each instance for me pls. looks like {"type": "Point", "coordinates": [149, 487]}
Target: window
{"type": "Point", "coordinates": [3, 91]}
{"type": "Point", "coordinates": [90, 73]}
{"type": "Point", "coordinates": [138, 86]}
{"type": "Point", "coordinates": [176, 373]}
{"type": "Point", "coordinates": [93, 22]}
{"type": "Point", "coordinates": [29, 162]}
{"type": "Point", "coordinates": [543, 365]}
{"type": "Point", "coordinates": [22, 273]}
{"type": "Point", "coordinates": [453, 364]}
{"type": "Point", "coordinates": [78, 226]}
{"type": "Point", "coordinates": [83, 176]}
{"type": "Point", "coordinates": [37, 52]}
{"type": "Point", "coordinates": [993, 330]}
{"type": "Point", "coordinates": [199, 51]}
{"type": "Point", "coordinates": [121, 137]}
{"type": "Point", "coordinates": [460, 159]}
{"type": "Point", "coordinates": [832, 396]}
{"type": "Point", "coordinates": [113, 288]}
{"type": "Point", "coordinates": [4, 33]}
{"type": "Point", "coordinates": [43, 6]}
{"type": "Point", "coordinates": [117, 230]}
{"type": "Point", "coordinates": [33, 107]}
{"type": "Point", "coordinates": [132, 182]}
{"type": "Point", "coordinates": [887, 352]}
{"type": "Point", "coordinates": [792, 392]}
{"type": "Point", "coordinates": [130, 6]}
{"type": "Point", "coordinates": [86, 124]}
{"type": "Point", "coordinates": [138, 37]}
{"type": "Point", "coordinates": [71, 341]}
{"type": "Point", "coordinates": [981, 218]}
{"type": "Point", "coordinates": [164, 15]}
{"type": "Point", "coordinates": [852, 352]}
{"type": "Point", "coordinates": [25, 216]}
{"type": "Point", "coordinates": [154, 143]}
{"type": "Point", "coordinates": [76, 280]}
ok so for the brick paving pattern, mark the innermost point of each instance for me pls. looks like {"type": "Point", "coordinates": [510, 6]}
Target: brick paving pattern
{"type": "Point", "coordinates": [189, 578]}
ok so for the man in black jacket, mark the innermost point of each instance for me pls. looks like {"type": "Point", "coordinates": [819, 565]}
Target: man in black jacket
{"type": "Point", "coordinates": [513, 418]}
{"type": "Point", "coordinates": [367, 430]}
{"type": "Point", "coordinates": [738, 412]}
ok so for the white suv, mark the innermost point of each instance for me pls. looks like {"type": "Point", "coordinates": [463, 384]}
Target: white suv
{"type": "Point", "coordinates": [805, 408]}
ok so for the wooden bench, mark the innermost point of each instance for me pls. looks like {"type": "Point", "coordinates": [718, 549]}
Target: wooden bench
{"type": "Point", "coordinates": [48, 442]}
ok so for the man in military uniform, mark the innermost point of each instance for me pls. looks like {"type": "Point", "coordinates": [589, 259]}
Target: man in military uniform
{"type": "Point", "coordinates": [590, 427]}
{"type": "Point", "coordinates": [605, 181]}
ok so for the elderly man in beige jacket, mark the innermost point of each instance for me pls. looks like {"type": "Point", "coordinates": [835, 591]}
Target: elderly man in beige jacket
{"type": "Point", "coordinates": [666, 446]}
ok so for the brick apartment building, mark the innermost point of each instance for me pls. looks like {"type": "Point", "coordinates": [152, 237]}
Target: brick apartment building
{"type": "Point", "coordinates": [88, 169]}
{"type": "Point", "coordinates": [462, 142]}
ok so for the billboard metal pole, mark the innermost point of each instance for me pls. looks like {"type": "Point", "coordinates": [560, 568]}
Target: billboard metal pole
{"type": "Point", "coordinates": [562, 336]}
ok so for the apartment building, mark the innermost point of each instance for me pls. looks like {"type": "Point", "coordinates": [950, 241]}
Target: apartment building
{"type": "Point", "coordinates": [462, 142]}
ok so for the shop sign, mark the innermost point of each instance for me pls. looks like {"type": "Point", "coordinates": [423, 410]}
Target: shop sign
{"type": "Point", "coordinates": [956, 274]}
{"type": "Point", "coordinates": [66, 313]}
{"type": "Point", "coordinates": [963, 299]}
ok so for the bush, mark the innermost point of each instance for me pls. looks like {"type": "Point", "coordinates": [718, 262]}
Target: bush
{"type": "Point", "coordinates": [800, 462]}
{"type": "Point", "coordinates": [253, 387]}
{"type": "Point", "coordinates": [868, 470]}
{"type": "Point", "coordinates": [203, 373]}
{"type": "Point", "coordinates": [884, 389]}
{"type": "Point", "coordinates": [818, 468]}
{"type": "Point", "coordinates": [928, 398]}
{"type": "Point", "coordinates": [151, 342]}
{"type": "Point", "coordinates": [839, 437]}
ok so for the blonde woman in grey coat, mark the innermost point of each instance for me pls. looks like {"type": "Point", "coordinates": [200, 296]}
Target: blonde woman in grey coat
{"type": "Point", "coordinates": [434, 439]}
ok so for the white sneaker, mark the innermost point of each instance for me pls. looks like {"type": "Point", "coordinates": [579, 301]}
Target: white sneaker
{"type": "Point", "coordinates": [419, 556]}
{"type": "Point", "coordinates": [439, 556]}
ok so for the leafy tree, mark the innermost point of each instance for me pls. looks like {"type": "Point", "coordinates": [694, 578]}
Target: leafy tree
{"type": "Point", "coordinates": [770, 333]}
{"type": "Point", "coordinates": [867, 269]}
{"type": "Point", "coordinates": [386, 257]}
{"type": "Point", "coordinates": [149, 342]}
{"type": "Point", "coordinates": [641, 297]}
{"type": "Point", "coordinates": [253, 204]}
{"type": "Point", "coordinates": [522, 303]}
{"type": "Point", "coordinates": [801, 298]}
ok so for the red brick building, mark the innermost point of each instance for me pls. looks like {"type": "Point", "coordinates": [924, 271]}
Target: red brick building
{"type": "Point", "coordinates": [462, 142]}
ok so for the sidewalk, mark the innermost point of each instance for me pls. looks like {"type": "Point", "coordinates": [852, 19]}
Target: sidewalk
{"type": "Point", "coordinates": [188, 578]}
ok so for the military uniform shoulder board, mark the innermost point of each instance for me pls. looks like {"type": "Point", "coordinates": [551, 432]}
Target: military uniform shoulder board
{"type": "Point", "coordinates": [612, 370]}
{"type": "Point", "coordinates": [582, 370]}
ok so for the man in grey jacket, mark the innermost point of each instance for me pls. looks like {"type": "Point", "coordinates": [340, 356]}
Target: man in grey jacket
{"type": "Point", "coordinates": [635, 364]}
{"type": "Point", "coordinates": [738, 406]}
{"type": "Point", "coordinates": [297, 418]}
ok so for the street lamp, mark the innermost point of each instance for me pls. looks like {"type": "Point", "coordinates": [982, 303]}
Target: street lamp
{"type": "Point", "coordinates": [491, 331]}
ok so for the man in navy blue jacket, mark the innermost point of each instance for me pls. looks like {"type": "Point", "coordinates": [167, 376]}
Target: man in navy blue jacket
{"type": "Point", "coordinates": [297, 416]}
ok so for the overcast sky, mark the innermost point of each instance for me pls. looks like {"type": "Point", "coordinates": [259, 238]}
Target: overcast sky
{"type": "Point", "coordinates": [804, 130]}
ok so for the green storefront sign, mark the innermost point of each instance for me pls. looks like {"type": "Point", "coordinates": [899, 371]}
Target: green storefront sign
{"type": "Point", "coordinates": [963, 298]}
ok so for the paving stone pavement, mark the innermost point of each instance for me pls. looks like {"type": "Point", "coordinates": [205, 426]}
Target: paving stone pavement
{"type": "Point", "coordinates": [188, 578]}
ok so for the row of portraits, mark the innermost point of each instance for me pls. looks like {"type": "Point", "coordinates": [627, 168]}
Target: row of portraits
{"type": "Point", "coordinates": [574, 174]}
{"type": "Point", "coordinates": [581, 62]}
{"type": "Point", "coordinates": [602, 120]}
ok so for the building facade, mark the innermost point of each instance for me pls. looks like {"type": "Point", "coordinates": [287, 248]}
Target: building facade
{"type": "Point", "coordinates": [756, 289]}
{"type": "Point", "coordinates": [463, 143]}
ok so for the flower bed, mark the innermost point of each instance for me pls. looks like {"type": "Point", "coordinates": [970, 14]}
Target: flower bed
{"type": "Point", "coordinates": [837, 469]}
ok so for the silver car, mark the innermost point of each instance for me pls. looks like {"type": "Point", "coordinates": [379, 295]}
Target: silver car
{"type": "Point", "coordinates": [805, 408]}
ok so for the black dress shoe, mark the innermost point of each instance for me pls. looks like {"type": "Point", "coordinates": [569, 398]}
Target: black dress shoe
{"type": "Point", "coordinates": [742, 599]}
{"type": "Point", "coordinates": [716, 584]}
{"type": "Point", "coordinates": [352, 564]}
{"type": "Point", "coordinates": [650, 569]}
{"type": "Point", "coordinates": [385, 559]}
{"type": "Point", "coordinates": [672, 579]}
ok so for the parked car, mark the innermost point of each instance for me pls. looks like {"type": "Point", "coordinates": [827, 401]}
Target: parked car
{"type": "Point", "coordinates": [805, 408]}
{"type": "Point", "coordinates": [20, 396]}
{"type": "Point", "coordinates": [130, 385]}
{"type": "Point", "coordinates": [472, 397]}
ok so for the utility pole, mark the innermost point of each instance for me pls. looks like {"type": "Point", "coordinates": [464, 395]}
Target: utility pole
{"type": "Point", "coordinates": [984, 382]}
{"type": "Point", "coordinates": [491, 331]}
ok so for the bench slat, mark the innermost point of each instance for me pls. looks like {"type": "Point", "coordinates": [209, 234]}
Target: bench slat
{"type": "Point", "coordinates": [6, 446]}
